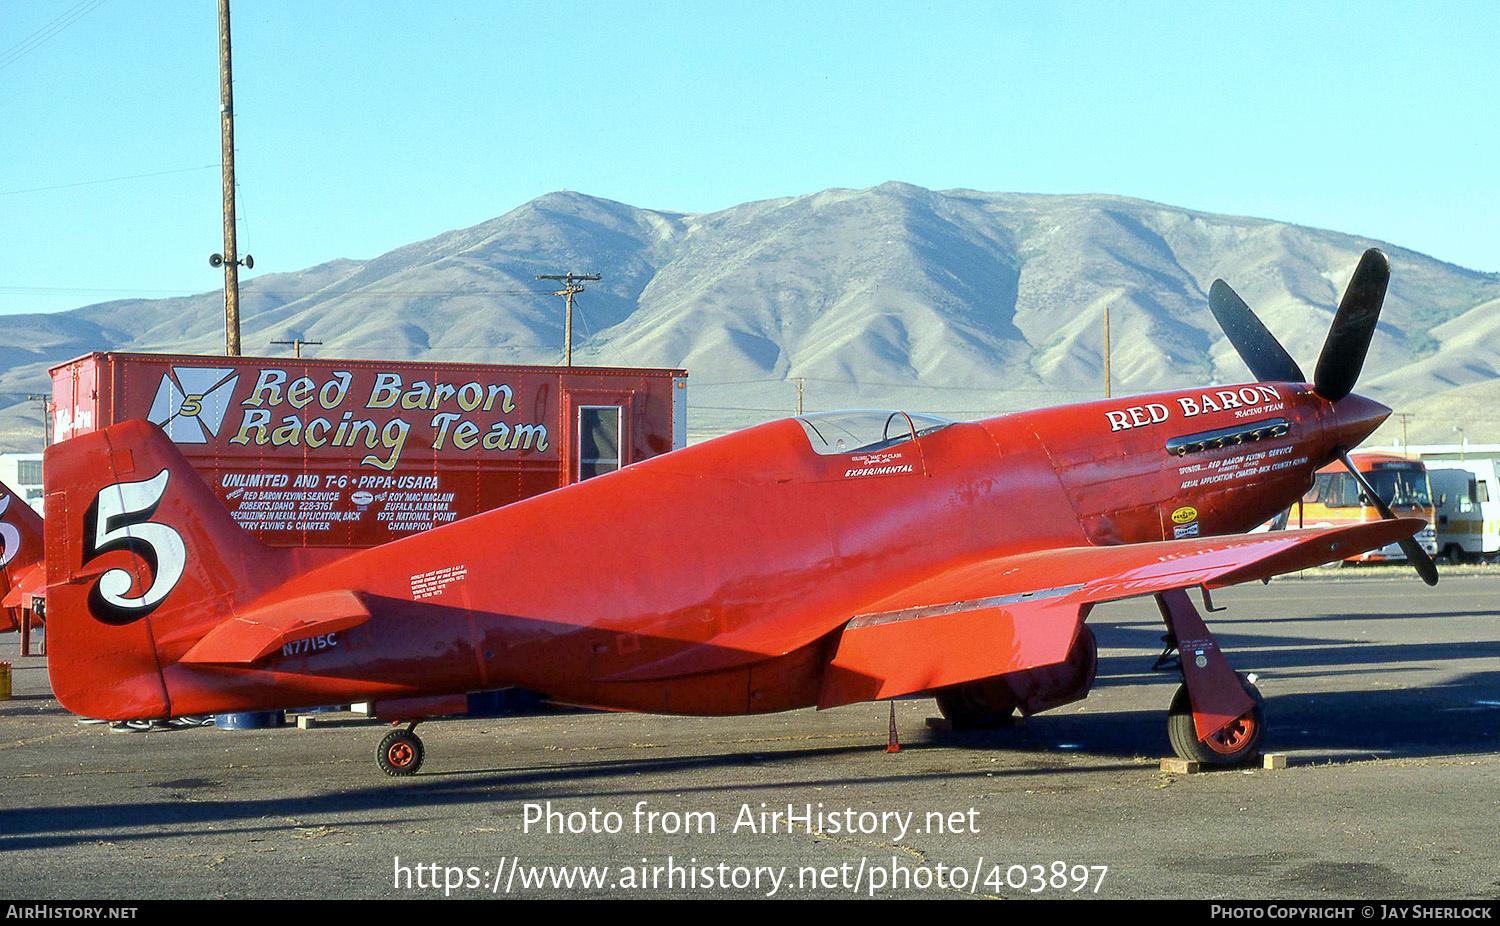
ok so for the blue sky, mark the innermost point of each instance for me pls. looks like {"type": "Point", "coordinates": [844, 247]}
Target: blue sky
{"type": "Point", "coordinates": [363, 126]}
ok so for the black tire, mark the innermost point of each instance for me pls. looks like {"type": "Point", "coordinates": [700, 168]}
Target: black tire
{"type": "Point", "coordinates": [400, 753]}
{"type": "Point", "coordinates": [982, 705]}
{"type": "Point", "coordinates": [1232, 746]}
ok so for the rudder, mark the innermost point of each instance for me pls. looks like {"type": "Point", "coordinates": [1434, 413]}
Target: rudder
{"type": "Point", "coordinates": [142, 560]}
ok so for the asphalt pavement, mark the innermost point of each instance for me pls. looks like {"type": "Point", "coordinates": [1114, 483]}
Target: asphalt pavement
{"type": "Point", "coordinates": [1382, 694]}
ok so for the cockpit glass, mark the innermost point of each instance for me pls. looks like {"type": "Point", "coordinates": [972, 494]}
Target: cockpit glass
{"type": "Point", "coordinates": [868, 430]}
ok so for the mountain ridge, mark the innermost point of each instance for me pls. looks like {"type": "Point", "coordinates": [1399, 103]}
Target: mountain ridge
{"type": "Point", "coordinates": [894, 292]}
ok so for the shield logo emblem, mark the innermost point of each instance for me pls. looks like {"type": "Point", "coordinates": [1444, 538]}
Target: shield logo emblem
{"type": "Point", "coordinates": [191, 401]}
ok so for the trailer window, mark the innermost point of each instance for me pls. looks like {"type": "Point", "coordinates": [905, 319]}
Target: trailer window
{"type": "Point", "coordinates": [598, 440]}
{"type": "Point", "coordinates": [1484, 491]}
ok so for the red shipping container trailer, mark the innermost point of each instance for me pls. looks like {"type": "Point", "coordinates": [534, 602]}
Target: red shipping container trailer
{"type": "Point", "coordinates": [355, 453]}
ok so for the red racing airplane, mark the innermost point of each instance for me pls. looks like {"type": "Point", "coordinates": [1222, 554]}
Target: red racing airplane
{"type": "Point", "coordinates": [814, 561]}
{"type": "Point", "coordinates": [22, 576]}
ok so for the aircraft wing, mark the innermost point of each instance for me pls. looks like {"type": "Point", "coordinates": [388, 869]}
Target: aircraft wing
{"type": "Point", "coordinates": [1020, 612]}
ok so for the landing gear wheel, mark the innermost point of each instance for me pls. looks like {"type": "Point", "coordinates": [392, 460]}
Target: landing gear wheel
{"type": "Point", "coordinates": [982, 705]}
{"type": "Point", "coordinates": [400, 753]}
{"type": "Point", "coordinates": [1232, 745]}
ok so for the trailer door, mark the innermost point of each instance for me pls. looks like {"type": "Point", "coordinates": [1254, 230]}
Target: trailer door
{"type": "Point", "coordinates": [599, 433]}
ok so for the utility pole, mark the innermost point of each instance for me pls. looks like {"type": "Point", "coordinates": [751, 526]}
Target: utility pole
{"type": "Point", "coordinates": [229, 260]}
{"type": "Point", "coordinates": [1106, 352]}
{"type": "Point", "coordinates": [1403, 416]}
{"type": "Point", "coordinates": [571, 287]}
{"type": "Point", "coordinates": [799, 394]}
{"type": "Point", "coordinates": [46, 403]}
{"type": "Point", "coordinates": [297, 345]}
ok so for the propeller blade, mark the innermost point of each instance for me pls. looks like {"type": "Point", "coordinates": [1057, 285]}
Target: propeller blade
{"type": "Point", "coordinates": [1414, 553]}
{"type": "Point", "coordinates": [1260, 350]}
{"type": "Point", "coordinates": [1353, 326]}
{"type": "Point", "coordinates": [1280, 523]}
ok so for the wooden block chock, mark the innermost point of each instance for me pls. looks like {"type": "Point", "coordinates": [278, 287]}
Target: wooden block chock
{"type": "Point", "coordinates": [1179, 767]}
{"type": "Point", "coordinates": [1273, 760]}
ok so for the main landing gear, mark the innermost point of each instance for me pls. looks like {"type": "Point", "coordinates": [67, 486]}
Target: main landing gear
{"type": "Point", "coordinates": [1217, 717]}
{"type": "Point", "coordinates": [400, 753]}
{"type": "Point", "coordinates": [1236, 743]}
{"type": "Point", "coordinates": [991, 703]}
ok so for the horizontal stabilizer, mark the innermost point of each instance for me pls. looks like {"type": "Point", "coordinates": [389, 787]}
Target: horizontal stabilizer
{"type": "Point", "coordinates": [247, 637]}
{"type": "Point", "coordinates": [26, 582]}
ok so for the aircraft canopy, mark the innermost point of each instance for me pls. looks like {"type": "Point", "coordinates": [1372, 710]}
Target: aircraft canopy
{"type": "Point", "coordinates": [866, 430]}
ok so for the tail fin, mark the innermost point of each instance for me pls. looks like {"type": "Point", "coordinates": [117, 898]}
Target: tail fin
{"type": "Point", "coordinates": [21, 564]}
{"type": "Point", "coordinates": [142, 560]}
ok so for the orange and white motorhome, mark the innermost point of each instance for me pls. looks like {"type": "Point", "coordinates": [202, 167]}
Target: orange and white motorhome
{"type": "Point", "coordinates": [1335, 500]}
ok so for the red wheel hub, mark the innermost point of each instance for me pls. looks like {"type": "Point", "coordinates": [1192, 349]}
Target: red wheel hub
{"type": "Point", "coordinates": [1234, 737]}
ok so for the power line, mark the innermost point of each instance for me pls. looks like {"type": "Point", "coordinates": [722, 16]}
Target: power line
{"type": "Point", "coordinates": [39, 37]}
{"type": "Point", "coordinates": [251, 289]}
{"type": "Point", "coordinates": [69, 186]}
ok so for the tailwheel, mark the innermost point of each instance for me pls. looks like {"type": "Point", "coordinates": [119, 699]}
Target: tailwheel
{"type": "Point", "coordinates": [1232, 745]}
{"type": "Point", "coordinates": [400, 753]}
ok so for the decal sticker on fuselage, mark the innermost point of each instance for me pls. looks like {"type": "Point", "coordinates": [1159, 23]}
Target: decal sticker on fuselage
{"type": "Point", "coordinates": [888, 463]}
{"type": "Point", "coordinates": [309, 645]}
{"type": "Point", "coordinates": [879, 471]}
{"type": "Point", "coordinates": [1238, 468]}
{"type": "Point", "coordinates": [1185, 522]}
{"type": "Point", "coordinates": [1247, 400]}
{"type": "Point", "coordinates": [431, 584]}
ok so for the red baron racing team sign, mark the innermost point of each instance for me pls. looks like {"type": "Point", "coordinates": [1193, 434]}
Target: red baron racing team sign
{"type": "Point", "coordinates": [464, 416]}
{"type": "Point", "coordinates": [355, 453]}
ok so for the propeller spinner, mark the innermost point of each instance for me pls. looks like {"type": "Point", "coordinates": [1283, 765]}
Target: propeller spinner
{"type": "Point", "coordinates": [1339, 363]}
